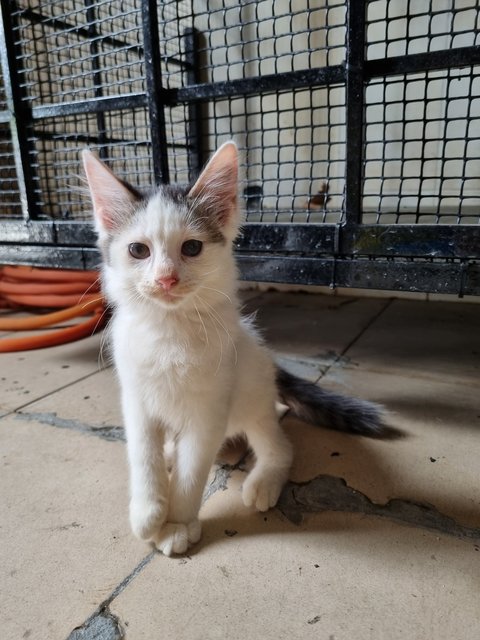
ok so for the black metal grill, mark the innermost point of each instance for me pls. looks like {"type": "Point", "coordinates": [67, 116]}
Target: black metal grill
{"type": "Point", "coordinates": [358, 121]}
{"type": "Point", "coordinates": [422, 149]}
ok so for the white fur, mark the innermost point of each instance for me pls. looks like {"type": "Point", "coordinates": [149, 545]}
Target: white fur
{"type": "Point", "coordinates": [191, 370]}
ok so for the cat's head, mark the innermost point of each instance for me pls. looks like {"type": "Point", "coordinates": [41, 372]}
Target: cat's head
{"type": "Point", "coordinates": [172, 245]}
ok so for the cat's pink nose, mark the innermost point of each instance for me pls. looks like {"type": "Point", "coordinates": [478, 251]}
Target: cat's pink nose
{"type": "Point", "coordinates": [167, 282]}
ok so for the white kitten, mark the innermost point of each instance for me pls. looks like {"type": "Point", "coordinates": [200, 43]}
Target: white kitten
{"type": "Point", "coordinates": [191, 369]}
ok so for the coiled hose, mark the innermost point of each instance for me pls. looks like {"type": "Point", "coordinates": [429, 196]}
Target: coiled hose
{"type": "Point", "coordinates": [75, 293]}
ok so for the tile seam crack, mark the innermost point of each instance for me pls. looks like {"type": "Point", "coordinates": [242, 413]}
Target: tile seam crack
{"type": "Point", "coordinates": [341, 355]}
{"type": "Point", "coordinates": [331, 493]}
{"type": "Point", "coordinates": [52, 392]}
{"type": "Point", "coordinates": [106, 432]}
{"type": "Point", "coordinates": [103, 617]}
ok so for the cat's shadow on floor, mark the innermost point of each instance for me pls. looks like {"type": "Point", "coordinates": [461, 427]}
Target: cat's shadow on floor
{"type": "Point", "coordinates": [333, 476]}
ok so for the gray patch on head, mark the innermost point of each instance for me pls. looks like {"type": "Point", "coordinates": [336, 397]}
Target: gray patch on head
{"type": "Point", "coordinates": [199, 215]}
{"type": "Point", "coordinates": [206, 220]}
{"type": "Point", "coordinates": [176, 193]}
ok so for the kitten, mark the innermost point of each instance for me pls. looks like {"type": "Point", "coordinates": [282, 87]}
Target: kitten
{"type": "Point", "coordinates": [192, 370]}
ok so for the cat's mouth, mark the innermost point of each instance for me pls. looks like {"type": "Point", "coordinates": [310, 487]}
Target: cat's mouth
{"type": "Point", "coordinates": [166, 298]}
{"type": "Point", "coordinates": [169, 297]}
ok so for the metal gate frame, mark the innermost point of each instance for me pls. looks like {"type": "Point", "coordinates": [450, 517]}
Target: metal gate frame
{"type": "Point", "coordinates": [402, 257]}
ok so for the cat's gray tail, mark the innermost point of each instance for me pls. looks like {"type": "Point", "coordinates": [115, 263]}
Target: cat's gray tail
{"type": "Point", "coordinates": [322, 407]}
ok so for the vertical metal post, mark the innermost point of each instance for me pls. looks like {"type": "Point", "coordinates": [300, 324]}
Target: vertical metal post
{"type": "Point", "coordinates": [19, 110]}
{"type": "Point", "coordinates": [195, 125]}
{"type": "Point", "coordinates": [155, 96]}
{"type": "Point", "coordinates": [97, 73]}
{"type": "Point", "coordinates": [354, 71]}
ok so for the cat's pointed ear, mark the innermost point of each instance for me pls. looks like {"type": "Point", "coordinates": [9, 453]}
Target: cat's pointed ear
{"type": "Point", "coordinates": [216, 189]}
{"type": "Point", "coordinates": [112, 199]}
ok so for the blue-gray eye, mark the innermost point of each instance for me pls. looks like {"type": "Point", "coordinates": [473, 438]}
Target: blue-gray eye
{"type": "Point", "coordinates": [191, 248]}
{"type": "Point", "coordinates": [138, 250]}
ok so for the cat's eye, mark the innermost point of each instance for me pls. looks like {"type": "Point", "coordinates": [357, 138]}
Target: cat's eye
{"type": "Point", "coordinates": [191, 248]}
{"type": "Point", "coordinates": [138, 250]}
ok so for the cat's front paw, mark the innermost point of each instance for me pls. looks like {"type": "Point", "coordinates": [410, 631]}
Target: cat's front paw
{"type": "Point", "coordinates": [262, 488]}
{"type": "Point", "coordinates": [147, 518]}
{"type": "Point", "coordinates": [177, 537]}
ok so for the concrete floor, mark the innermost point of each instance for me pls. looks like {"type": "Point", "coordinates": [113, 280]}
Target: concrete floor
{"type": "Point", "coordinates": [371, 540]}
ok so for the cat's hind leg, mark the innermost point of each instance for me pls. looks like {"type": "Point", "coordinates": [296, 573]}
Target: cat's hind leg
{"type": "Point", "coordinates": [273, 459]}
{"type": "Point", "coordinates": [254, 414]}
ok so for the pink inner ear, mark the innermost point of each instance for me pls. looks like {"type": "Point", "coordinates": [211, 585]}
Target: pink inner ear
{"type": "Point", "coordinates": [103, 217]}
{"type": "Point", "coordinates": [111, 199]}
{"type": "Point", "coordinates": [218, 182]}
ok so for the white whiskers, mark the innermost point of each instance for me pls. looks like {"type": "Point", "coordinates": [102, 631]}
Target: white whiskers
{"type": "Point", "coordinates": [217, 291]}
{"type": "Point", "coordinates": [102, 363]}
{"type": "Point", "coordinates": [216, 319]}
{"type": "Point", "coordinates": [203, 325]}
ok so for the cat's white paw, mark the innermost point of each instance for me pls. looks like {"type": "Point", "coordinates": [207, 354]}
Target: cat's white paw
{"type": "Point", "coordinates": [147, 518]}
{"type": "Point", "coordinates": [262, 489]}
{"type": "Point", "coordinates": [177, 538]}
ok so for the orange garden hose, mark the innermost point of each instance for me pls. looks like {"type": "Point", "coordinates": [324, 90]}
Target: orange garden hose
{"type": "Point", "coordinates": [46, 300]}
{"type": "Point", "coordinates": [75, 293]}
{"type": "Point", "coordinates": [45, 275]}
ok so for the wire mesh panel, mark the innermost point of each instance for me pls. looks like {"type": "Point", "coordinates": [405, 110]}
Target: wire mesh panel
{"type": "Point", "coordinates": [70, 50]}
{"type": "Point", "coordinates": [9, 193]}
{"type": "Point", "coordinates": [56, 148]}
{"type": "Point", "coordinates": [292, 142]}
{"type": "Point", "coordinates": [422, 151]}
{"type": "Point", "coordinates": [412, 26]}
{"type": "Point", "coordinates": [257, 38]}
{"type": "Point", "coordinates": [358, 124]}
{"type": "Point", "coordinates": [422, 158]}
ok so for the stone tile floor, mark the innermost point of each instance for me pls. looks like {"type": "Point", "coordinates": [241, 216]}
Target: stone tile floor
{"type": "Point", "coordinates": [371, 539]}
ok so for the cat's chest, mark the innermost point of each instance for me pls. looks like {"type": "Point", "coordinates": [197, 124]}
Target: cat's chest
{"type": "Point", "coordinates": [151, 349]}
{"type": "Point", "coordinates": [164, 349]}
